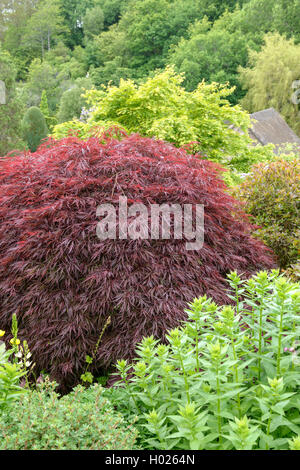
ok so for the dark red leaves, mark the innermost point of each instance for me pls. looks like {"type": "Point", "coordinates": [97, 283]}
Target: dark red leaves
{"type": "Point", "coordinates": [63, 282]}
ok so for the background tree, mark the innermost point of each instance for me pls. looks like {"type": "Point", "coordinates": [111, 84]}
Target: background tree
{"type": "Point", "coordinates": [253, 19]}
{"type": "Point", "coordinates": [93, 21]}
{"type": "Point", "coordinates": [50, 120]}
{"type": "Point", "coordinates": [151, 26]}
{"type": "Point", "coordinates": [109, 45]}
{"type": "Point", "coordinates": [14, 16]}
{"type": "Point", "coordinates": [42, 76]}
{"type": "Point", "coordinates": [107, 40]}
{"type": "Point", "coordinates": [73, 12]}
{"type": "Point", "coordinates": [34, 128]}
{"type": "Point", "coordinates": [270, 76]}
{"type": "Point", "coordinates": [11, 111]}
{"type": "Point", "coordinates": [160, 107]}
{"type": "Point", "coordinates": [212, 54]}
{"type": "Point", "coordinates": [286, 18]}
{"type": "Point", "coordinates": [44, 26]}
{"type": "Point", "coordinates": [112, 10]}
{"type": "Point", "coordinates": [72, 101]}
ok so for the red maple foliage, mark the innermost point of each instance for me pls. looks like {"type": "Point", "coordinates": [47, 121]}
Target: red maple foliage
{"type": "Point", "coordinates": [63, 282]}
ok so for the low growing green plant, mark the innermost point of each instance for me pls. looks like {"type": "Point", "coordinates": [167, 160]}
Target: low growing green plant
{"type": "Point", "coordinates": [81, 420]}
{"type": "Point", "coordinates": [12, 369]}
{"type": "Point", "coordinates": [10, 375]}
{"type": "Point", "coordinates": [87, 376]}
{"type": "Point", "coordinates": [226, 379]}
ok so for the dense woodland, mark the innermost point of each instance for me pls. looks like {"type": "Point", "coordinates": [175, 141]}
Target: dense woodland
{"type": "Point", "coordinates": [53, 50]}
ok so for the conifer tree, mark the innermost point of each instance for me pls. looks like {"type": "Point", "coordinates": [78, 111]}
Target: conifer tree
{"type": "Point", "coordinates": [34, 127]}
{"type": "Point", "coordinates": [44, 107]}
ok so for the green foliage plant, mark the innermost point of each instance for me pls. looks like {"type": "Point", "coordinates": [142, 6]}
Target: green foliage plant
{"type": "Point", "coordinates": [50, 120]}
{"type": "Point", "coordinates": [10, 111]}
{"type": "Point", "coordinates": [226, 379]}
{"type": "Point", "coordinates": [34, 128]}
{"type": "Point", "coordinates": [213, 54]}
{"type": "Point", "coordinates": [81, 420]}
{"type": "Point", "coordinates": [14, 364]}
{"type": "Point", "coordinates": [293, 272]}
{"type": "Point", "coordinates": [10, 375]}
{"type": "Point", "coordinates": [202, 120]}
{"type": "Point", "coordinates": [84, 130]}
{"type": "Point", "coordinates": [71, 104]}
{"type": "Point", "coordinates": [87, 376]}
{"type": "Point", "coordinates": [270, 76]}
{"type": "Point", "coordinates": [271, 193]}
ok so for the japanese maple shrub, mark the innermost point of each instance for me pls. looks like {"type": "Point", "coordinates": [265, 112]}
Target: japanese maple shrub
{"type": "Point", "coordinates": [63, 282]}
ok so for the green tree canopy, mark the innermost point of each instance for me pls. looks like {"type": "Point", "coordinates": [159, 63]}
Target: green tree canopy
{"type": "Point", "coordinates": [72, 101]}
{"type": "Point", "coordinates": [44, 26]}
{"type": "Point", "coordinates": [14, 16]}
{"type": "Point", "coordinates": [211, 54]}
{"type": "Point", "coordinates": [73, 12]}
{"type": "Point", "coordinates": [160, 107]}
{"type": "Point", "coordinates": [93, 21]}
{"type": "Point", "coordinates": [270, 77]}
{"type": "Point", "coordinates": [11, 109]}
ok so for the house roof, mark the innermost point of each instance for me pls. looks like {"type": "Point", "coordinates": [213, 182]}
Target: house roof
{"type": "Point", "coordinates": [270, 128]}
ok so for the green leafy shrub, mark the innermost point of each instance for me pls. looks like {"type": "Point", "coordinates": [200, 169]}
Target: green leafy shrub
{"type": "Point", "coordinates": [288, 151]}
{"type": "Point", "coordinates": [71, 104]}
{"type": "Point", "coordinates": [84, 131]}
{"type": "Point", "coordinates": [293, 272]}
{"type": "Point", "coordinates": [10, 375]}
{"type": "Point", "coordinates": [72, 100]}
{"type": "Point", "coordinates": [34, 127]}
{"type": "Point", "coordinates": [271, 194]}
{"type": "Point", "coordinates": [161, 108]}
{"type": "Point", "coordinates": [11, 369]}
{"type": "Point", "coordinates": [80, 420]}
{"type": "Point", "coordinates": [227, 379]}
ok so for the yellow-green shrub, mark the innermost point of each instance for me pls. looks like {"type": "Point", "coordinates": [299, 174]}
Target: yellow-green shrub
{"type": "Point", "coordinates": [161, 108]}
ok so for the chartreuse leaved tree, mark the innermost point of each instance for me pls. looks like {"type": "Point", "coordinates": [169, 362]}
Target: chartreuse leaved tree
{"type": "Point", "coordinates": [162, 108]}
